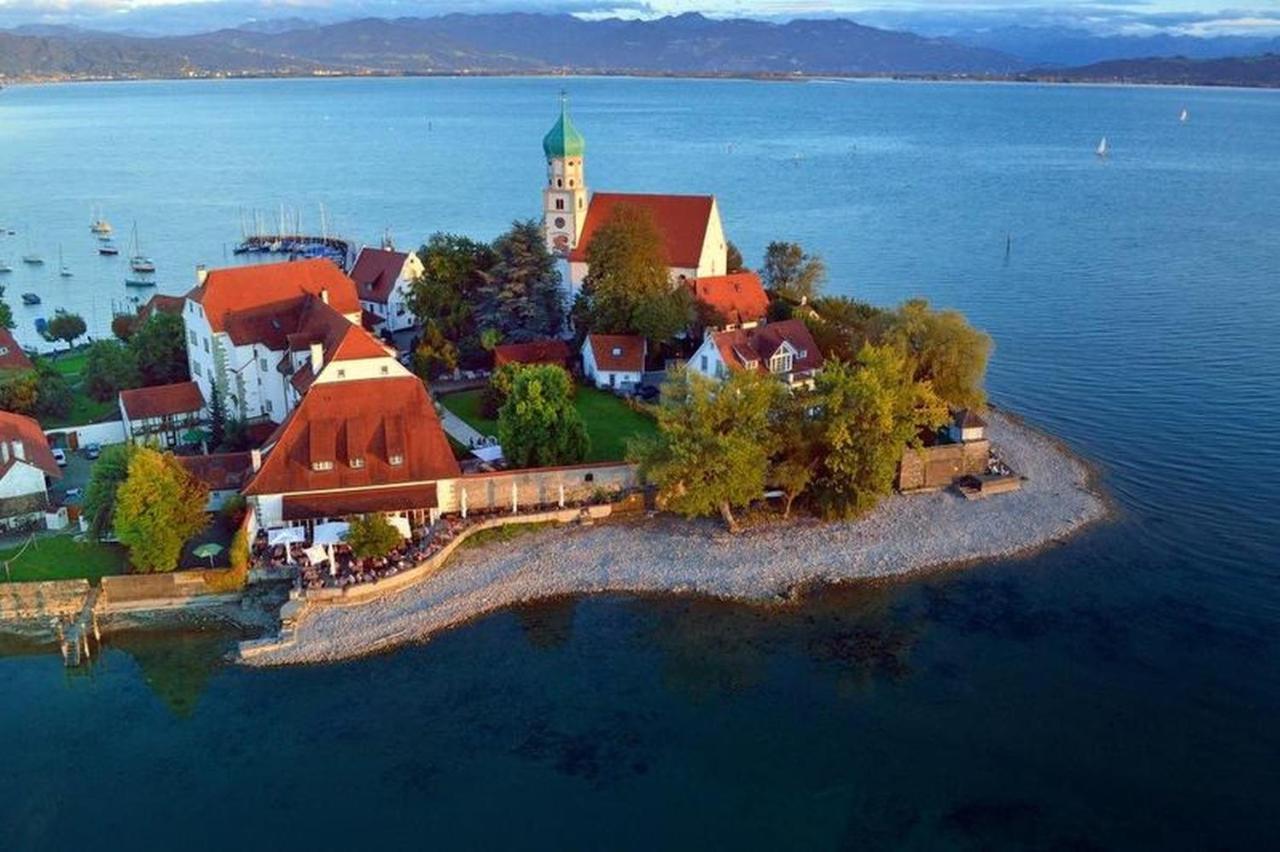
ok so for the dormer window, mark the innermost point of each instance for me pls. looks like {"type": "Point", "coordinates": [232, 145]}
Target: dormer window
{"type": "Point", "coordinates": [4, 350]}
{"type": "Point", "coordinates": [617, 352]}
{"type": "Point", "coordinates": [342, 374]}
{"type": "Point", "coordinates": [357, 463]}
{"type": "Point", "coordinates": [396, 460]}
{"type": "Point", "coordinates": [780, 363]}
{"type": "Point", "coordinates": [385, 370]}
{"type": "Point", "coordinates": [319, 466]}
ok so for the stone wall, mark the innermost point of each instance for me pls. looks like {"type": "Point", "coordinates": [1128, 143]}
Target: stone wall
{"type": "Point", "coordinates": [536, 487]}
{"type": "Point", "coordinates": [48, 599]}
{"type": "Point", "coordinates": [157, 591]}
{"type": "Point", "coordinates": [931, 468]}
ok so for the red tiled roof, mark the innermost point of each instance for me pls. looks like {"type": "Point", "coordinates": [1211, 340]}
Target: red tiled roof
{"type": "Point", "coordinates": [11, 355]}
{"type": "Point", "coordinates": [533, 352]}
{"type": "Point", "coordinates": [240, 288]}
{"type": "Point", "coordinates": [269, 324]}
{"type": "Point", "coordinates": [162, 400]}
{"type": "Point", "coordinates": [630, 349]}
{"type": "Point", "coordinates": [739, 297]}
{"type": "Point", "coordinates": [220, 471]}
{"type": "Point", "coordinates": [376, 271]}
{"type": "Point", "coordinates": [681, 221]}
{"type": "Point", "coordinates": [371, 419]}
{"type": "Point", "coordinates": [758, 344]}
{"type": "Point", "coordinates": [340, 504]}
{"type": "Point", "coordinates": [340, 339]}
{"type": "Point", "coordinates": [35, 446]}
{"type": "Point", "coordinates": [160, 303]}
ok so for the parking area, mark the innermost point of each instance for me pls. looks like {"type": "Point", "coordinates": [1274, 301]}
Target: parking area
{"type": "Point", "coordinates": [75, 477]}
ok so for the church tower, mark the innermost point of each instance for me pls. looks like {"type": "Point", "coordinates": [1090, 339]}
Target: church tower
{"type": "Point", "coordinates": [564, 199]}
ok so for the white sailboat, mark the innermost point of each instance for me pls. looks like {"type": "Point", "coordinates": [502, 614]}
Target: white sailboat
{"type": "Point", "coordinates": [32, 257]}
{"type": "Point", "coordinates": [138, 261]}
{"type": "Point", "coordinates": [63, 269]}
{"type": "Point", "coordinates": [1103, 149]}
{"type": "Point", "coordinates": [1184, 116]}
{"type": "Point", "coordinates": [4, 267]}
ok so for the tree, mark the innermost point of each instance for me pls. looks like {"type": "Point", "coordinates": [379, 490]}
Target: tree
{"type": "Point", "coordinates": [713, 444]}
{"type": "Point", "coordinates": [489, 339]}
{"type": "Point", "coordinates": [842, 326]}
{"type": "Point", "coordinates": [797, 450]}
{"type": "Point", "coordinates": [66, 327]}
{"type": "Point", "coordinates": [434, 354]}
{"type": "Point", "coordinates": [123, 326]}
{"type": "Point", "coordinates": [945, 351]}
{"type": "Point", "coordinates": [217, 417]}
{"type": "Point", "coordinates": [538, 425]}
{"type": "Point", "coordinates": [109, 472]}
{"type": "Point", "coordinates": [521, 295]}
{"type": "Point", "coordinates": [109, 368]}
{"type": "Point", "coordinates": [792, 274]}
{"type": "Point", "coordinates": [6, 312]}
{"type": "Point", "coordinates": [628, 287]}
{"type": "Point", "coordinates": [868, 413]}
{"type": "Point", "coordinates": [159, 506]}
{"type": "Point", "coordinates": [159, 347]}
{"type": "Point", "coordinates": [19, 391]}
{"type": "Point", "coordinates": [55, 396]}
{"type": "Point", "coordinates": [733, 258]}
{"type": "Point", "coordinates": [447, 291]}
{"type": "Point", "coordinates": [372, 535]}
{"type": "Point", "coordinates": [498, 389]}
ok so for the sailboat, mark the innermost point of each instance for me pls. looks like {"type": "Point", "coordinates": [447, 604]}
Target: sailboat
{"type": "Point", "coordinates": [63, 269]}
{"type": "Point", "coordinates": [138, 261]}
{"type": "Point", "coordinates": [1184, 116]}
{"type": "Point", "coordinates": [1103, 149]}
{"type": "Point", "coordinates": [99, 225]}
{"type": "Point", "coordinates": [4, 267]}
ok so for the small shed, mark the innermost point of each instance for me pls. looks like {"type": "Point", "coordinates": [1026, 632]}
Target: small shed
{"type": "Point", "coordinates": [967, 425]}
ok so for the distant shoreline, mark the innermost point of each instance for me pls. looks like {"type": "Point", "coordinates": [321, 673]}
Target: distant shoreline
{"type": "Point", "coordinates": [758, 77]}
{"type": "Point", "coordinates": [769, 565]}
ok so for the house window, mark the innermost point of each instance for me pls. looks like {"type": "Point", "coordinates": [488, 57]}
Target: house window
{"type": "Point", "coordinates": [262, 364]}
{"type": "Point", "coordinates": [357, 463]}
{"type": "Point", "coordinates": [321, 465]}
{"type": "Point", "coordinates": [559, 203]}
{"type": "Point", "coordinates": [704, 363]}
{"type": "Point", "coordinates": [266, 405]}
{"type": "Point", "coordinates": [206, 344]}
{"type": "Point", "coordinates": [195, 368]}
{"type": "Point", "coordinates": [342, 374]}
{"type": "Point", "coordinates": [385, 370]}
{"type": "Point", "coordinates": [617, 351]}
{"type": "Point", "coordinates": [780, 363]}
{"type": "Point", "coordinates": [559, 183]}
{"type": "Point", "coordinates": [191, 335]}
{"type": "Point", "coordinates": [396, 461]}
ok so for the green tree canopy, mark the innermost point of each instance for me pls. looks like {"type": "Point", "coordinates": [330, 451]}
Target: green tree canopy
{"type": "Point", "coordinates": [790, 273]}
{"type": "Point", "coordinates": [109, 368]}
{"type": "Point", "coordinates": [435, 354]}
{"type": "Point", "coordinates": [538, 425]}
{"type": "Point", "coordinates": [108, 473]}
{"type": "Point", "coordinates": [945, 351]}
{"type": "Point", "coordinates": [841, 326]}
{"type": "Point", "coordinates": [448, 290]}
{"type": "Point", "coordinates": [713, 444]}
{"type": "Point", "coordinates": [733, 258]}
{"type": "Point", "coordinates": [66, 327]}
{"type": "Point", "coordinates": [372, 535]}
{"type": "Point", "coordinates": [159, 348]}
{"type": "Point", "coordinates": [6, 312]}
{"type": "Point", "coordinates": [521, 296]}
{"type": "Point", "coordinates": [158, 507]}
{"type": "Point", "coordinates": [868, 412]}
{"type": "Point", "coordinates": [41, 392]}
{"type": "Point", "coordinates": [628, 288]}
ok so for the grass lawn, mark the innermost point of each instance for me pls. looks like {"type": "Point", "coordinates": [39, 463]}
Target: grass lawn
{"type": "Point", "coordinates": [71, 364]}
{"type": "Point", "coordinates": [608, 419]}
{"type": "Point", "coordinates": [61, 557]}
{"type": "Point", "coordinates": [84, 409]}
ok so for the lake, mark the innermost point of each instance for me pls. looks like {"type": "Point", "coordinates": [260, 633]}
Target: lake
{"type": "Point", "coordinates": [1118, 691]}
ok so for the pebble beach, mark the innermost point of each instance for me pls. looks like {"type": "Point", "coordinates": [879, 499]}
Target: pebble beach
{"type": "Point", "coordinates": [766, 564]}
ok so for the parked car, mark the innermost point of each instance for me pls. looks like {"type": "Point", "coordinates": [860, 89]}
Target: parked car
{"type": "Point", "coordinates": [60, 456]}
{"type": "Point", "coordinates": [92, 451]}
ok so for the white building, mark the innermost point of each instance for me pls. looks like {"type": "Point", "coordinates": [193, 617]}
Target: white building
{"type": "Point", "coordinates": [239, 321]}
{"type": "Point", "coordinates": [692, 234]}
{"type": "Point", "coordinates": [784, 349]}
{"type": "Point", "coordinates": [162, 414]}
{"type": "Point", "coordinates": [382, 277]}
{"type": "Point", "coordinates": [26, 466]}
{"type": "Point", "coordinates": [614, 361]}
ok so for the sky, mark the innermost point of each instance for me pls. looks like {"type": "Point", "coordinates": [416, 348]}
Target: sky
{"type": "Point", "coordinates": [1128, 17]}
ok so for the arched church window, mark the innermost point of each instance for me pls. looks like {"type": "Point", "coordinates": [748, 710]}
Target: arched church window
{"type": "Point", "coordinates": [559, 182]}
{"type": "Point", "coordinates": [559, 203]}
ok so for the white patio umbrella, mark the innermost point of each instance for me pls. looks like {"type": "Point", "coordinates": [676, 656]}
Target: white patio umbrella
{"type": "Point", "coordinates": [401, 525]}
{"type": "Point", "coordinates": [285, 535]}
{"type": "Point", "coordinates": [333, 532]}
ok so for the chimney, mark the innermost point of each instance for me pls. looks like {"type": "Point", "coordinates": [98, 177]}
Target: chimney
{"type": "Point", "coordinates": [201, 274]}
{"type": "Point", "coordinates": [19, 451]}
{"type": "Point", "coordinates": [324, 295]}
{"type": "Point", "coordinates": [255, 460]}
{"type": "Point", "coordinates": [317, 358]}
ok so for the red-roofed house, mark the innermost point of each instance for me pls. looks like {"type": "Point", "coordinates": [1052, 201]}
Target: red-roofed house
{"type": "Point", "coordinates": [382, 279]}
{"type": "Point", "coordinates": [534, 352]}
{"type": "Point", "coordinates": [614, 361]}
{"type": "Point", "coordinates": [785, 349]}
{"type": "Point", "coordinates": [354, 447]}
{"type": "Point", "coordinates": [161, 414]}
{"type": "Point", "coordinates": [26, 466]}
{"type": "Point", "coordinates": [738, 299]}
{"type": "Point", "coordinates": [11, 355]}
{"type": "Point", "coordinates": [239, 324]}
{"type": "Point", "coordinates": [223, 473]}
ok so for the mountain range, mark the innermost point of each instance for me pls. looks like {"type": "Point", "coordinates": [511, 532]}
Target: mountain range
{"type": "Point", "coordinates": [525, 43]}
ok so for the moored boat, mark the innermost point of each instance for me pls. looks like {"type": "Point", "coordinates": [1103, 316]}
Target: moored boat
{"type": "Point", "coordinates": [108, 249]}
{"type": "Point", "coordinates": [138, 281]}
{"type": "Point", "coordinates": [138, 261]}
{"type": "Point", "coordinates": [30, 299]}
{"type": "Point", "coordinates": [100, 225]}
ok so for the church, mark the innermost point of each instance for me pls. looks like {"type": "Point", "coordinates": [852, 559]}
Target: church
{"type": "Point", "coordinates": [689, 225]}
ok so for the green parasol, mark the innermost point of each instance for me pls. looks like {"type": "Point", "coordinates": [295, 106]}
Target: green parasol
{"type": "Point", "coordinates": [208, 551]}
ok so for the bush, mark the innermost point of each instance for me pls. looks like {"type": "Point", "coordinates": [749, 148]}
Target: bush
{"type": "Point", "coordinates": [239, 552]}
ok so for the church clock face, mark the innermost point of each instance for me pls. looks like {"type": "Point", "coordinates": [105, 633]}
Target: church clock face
{"type": "Point", "coordinates": [559, 221]}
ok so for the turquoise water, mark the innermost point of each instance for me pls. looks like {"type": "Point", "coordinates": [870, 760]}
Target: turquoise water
{"type": "Point", "coordinates": [1118, 691]}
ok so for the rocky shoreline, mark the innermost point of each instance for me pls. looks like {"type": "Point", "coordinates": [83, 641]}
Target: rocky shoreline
{"type": "Point", "coordinates": [904, 535]}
